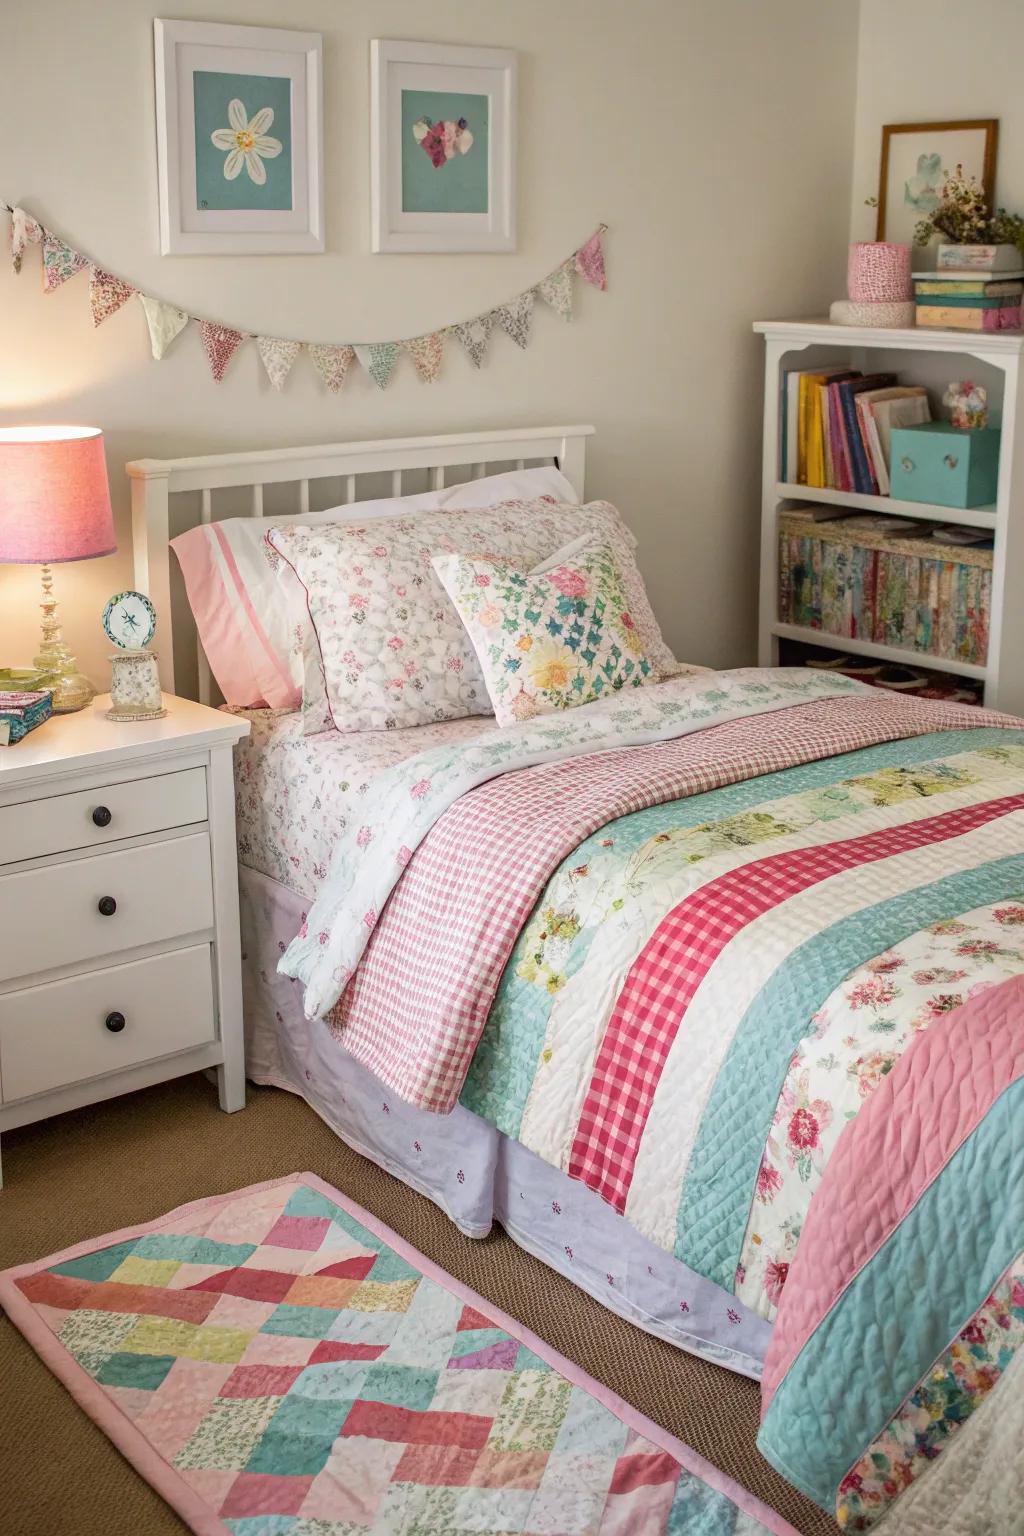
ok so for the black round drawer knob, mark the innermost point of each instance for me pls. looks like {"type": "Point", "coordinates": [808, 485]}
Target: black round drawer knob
{"type": "Point", "coordinates": [115, 1022]}
{"type": "Point", "coordinates": [107, 906]}
{"type": "Point", "coordinates": [101, 816]}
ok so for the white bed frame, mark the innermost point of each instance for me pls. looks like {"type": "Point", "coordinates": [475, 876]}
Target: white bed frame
{"type": "Point", "coordinates": [155, 481]}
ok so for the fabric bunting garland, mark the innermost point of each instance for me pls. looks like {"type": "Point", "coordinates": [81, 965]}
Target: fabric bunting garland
{"type": "Point", "coordinates": [516, 318]}
{"type": "Point", "coordinates": [474, 335]}
{"type": "Point", "coordinates": [379, 359]}
{"type": "Point", "coordinates": [556, 289]}
{"type": "Point", "coordinates": [220, 343]}
{"type": "Point", "coordinates": [332, 364]}
{"type": "Point", "coordinates": [165, 323]}
{"type": "Point", "coordinates": [106, 294]}
{"type": "Point", "coordinates": [109, 293]}
{"type": "Point", "coordinates": [426, 353]}
{"type": "Point", "coordinates": [277, 357]}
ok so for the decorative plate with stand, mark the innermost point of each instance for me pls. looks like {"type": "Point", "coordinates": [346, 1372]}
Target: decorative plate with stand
{"type": "Point", "coordinates": [129, 621]}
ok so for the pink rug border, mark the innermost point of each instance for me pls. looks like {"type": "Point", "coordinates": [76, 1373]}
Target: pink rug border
{"type": "Point", "coordinates": [173, 1488]}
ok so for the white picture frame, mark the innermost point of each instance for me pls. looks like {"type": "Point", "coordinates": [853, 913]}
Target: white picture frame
{"type": "Point", "coordinates": [292, 63]}
{"type": "Point", "coordinates": [400, 71]}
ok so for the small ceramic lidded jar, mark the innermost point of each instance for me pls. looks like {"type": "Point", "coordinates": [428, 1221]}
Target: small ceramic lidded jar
{"type": "Point", "coordinates": [878, 272]}
{"type": "Point", "coordinates": [129, 620]}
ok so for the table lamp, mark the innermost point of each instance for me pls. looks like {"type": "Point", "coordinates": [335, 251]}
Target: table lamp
{"type": "Point", "coordinates": [55, 506]}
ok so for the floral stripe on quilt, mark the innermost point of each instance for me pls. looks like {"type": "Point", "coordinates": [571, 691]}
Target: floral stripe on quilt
{"type": "Point", "coordinates": [942, 1402]}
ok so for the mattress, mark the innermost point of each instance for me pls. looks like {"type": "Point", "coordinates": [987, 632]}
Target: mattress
{"type": "Point", "coordinates": [295, 795]}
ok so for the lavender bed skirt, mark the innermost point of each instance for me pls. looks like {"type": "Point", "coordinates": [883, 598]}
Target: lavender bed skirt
{"type": "Point", "coordinates": [474, 1173]}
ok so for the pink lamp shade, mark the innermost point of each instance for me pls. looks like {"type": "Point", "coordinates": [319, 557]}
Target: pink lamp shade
{"type": "Point", "coordinates": [54, 495]}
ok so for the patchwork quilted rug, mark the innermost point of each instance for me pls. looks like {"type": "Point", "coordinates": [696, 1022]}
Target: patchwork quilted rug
{"type": "Point", "coordinates": [277, 1363]}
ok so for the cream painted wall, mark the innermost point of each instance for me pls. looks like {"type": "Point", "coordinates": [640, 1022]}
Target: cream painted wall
{"type": "Point", "coordinates": [681, 123]}
{"type": "Point", "coordinates": [922, 61]}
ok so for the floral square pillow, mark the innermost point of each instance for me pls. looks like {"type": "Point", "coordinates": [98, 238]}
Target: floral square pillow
{"type": "Point", "coordinates": [386, 648]}
{"type": "Point", "coordinates": [552, 639]}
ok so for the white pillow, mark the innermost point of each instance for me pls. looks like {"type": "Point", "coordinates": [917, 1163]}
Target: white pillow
{"type": "Point", "coordinates": [251, 612]}
{"type": "Point", "coordinates": [387, 648]}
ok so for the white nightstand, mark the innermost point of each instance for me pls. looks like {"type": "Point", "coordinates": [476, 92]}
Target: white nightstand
{"type": "Point", "coordinates": [119, 948]}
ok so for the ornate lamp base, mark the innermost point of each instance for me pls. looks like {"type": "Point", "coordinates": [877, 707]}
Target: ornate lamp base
{"type": "Point", "coordinates": [71, 690]}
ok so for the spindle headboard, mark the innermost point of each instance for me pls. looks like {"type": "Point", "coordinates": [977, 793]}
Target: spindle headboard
{"type": "Point", "coordinates": [262, 478]}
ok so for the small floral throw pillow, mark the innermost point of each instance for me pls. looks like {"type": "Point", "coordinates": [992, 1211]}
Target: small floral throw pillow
{"type": "Point", "coordinates": [548, 640]}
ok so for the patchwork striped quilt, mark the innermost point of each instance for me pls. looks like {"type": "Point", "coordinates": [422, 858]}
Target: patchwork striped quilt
{"type": "Point", "coordinates": [685, 971]}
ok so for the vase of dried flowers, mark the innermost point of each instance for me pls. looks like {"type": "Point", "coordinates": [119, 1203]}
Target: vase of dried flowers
{"type": "Point", "coordinates": [972, 238]}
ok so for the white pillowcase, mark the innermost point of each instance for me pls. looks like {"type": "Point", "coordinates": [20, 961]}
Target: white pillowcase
{"type": "Point", "coordinates": [251, 612]}
{"type": "Point", "coordinates": [388, 649]}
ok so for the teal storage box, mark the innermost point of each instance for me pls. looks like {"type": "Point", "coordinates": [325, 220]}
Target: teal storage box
{"type": "Point", "coordinates": [947, 466]}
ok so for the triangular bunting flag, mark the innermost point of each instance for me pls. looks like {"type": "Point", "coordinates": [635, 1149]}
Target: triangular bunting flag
{"type": "Point", "coordinates": [379, 359]}
{"type": "Point", "coordinates": [556, 289]}
{"type": "Point", "coordinates": [25, 231]}
{"type": "Point", "coordinates": [220, 343]}
{"type": "Point", "coordinates": [474, 335]}
{"type": "Point", "coordinates": [278, 357]}
{"type": "Point", "coordinates": [59, 262]}
{"type": "Point", "coordinates": [590, 260]}
{"type": "Point", "coordinates": [332, 363]}
{"type": "Point", "coordinates": [106, 294]}
{"type": "Point", "coordinates": [165, 322]}
{"type": "Point", "coordinates": [426, 353]}
{"type": "Point", "coordinates": [516, 316]}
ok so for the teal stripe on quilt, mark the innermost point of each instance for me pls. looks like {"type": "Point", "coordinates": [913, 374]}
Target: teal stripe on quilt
{"type": "Point", "coordinates": [903, 1308]}
{"type": "Point", "coordinates": [722, 1171]}
{"type": "Point", "coordinates": [505, 1062]}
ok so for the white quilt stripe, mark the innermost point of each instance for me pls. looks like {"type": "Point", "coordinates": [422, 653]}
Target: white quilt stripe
{"type": "Point", "coordinates": [580, 1012]}
{"type": "Point", "coordinates": [738, 974]}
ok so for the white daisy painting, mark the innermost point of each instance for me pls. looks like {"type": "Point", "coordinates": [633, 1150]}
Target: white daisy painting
{"type": "Point", "coordinates": [243, 140]}
{"type": "Point", "coordinates": [239, 139]}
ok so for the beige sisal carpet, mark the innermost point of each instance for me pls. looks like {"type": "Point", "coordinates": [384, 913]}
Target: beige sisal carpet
{"type": "Point", "coordinates": [134, 1158]}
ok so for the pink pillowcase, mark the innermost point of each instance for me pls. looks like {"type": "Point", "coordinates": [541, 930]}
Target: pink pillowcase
{"type": "Point", "coordinates": [251, 612]}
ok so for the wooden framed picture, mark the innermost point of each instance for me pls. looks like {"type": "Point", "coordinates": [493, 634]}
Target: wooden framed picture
{"type": "Point", "coordinates": [239, 121]}
{"type": "Point", "coordinates": [916, 158]}
{"type": "Point", "coordinates": [442, 147]}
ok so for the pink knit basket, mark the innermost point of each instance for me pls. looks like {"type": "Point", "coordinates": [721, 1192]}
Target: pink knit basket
{"type": "Point", "coordinates": [878, 272]}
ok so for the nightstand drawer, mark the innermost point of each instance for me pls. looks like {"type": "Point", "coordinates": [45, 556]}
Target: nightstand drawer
{"type": "Point", "coordinates": [62, 823]}
{"type": "Point", "coordinates": [82, 908]}
{"type": "Point", "coordinates": [87, 1026]}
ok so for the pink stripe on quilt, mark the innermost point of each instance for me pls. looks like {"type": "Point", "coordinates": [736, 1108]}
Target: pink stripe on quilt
{"type": "Point", "coordinates": [414, 1011]}
{"type": "Point", "coordinates": [902, 1138]}
{"type": "Point", "coordinates": [669, 969]}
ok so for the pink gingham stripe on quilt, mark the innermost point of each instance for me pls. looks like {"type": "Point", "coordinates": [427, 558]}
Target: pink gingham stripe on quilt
{"type": "Point", "coordinates": [415, 1009]}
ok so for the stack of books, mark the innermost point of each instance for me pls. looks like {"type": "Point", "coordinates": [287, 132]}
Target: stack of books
{"type": "Point", "coordinates": [861, 579]}
{"type": "Point", "coordinates": [21, 710]}
{"type": "Point", "coordinates": [969, 301]}
{"type": "Point", "coordinates": [837, 425]}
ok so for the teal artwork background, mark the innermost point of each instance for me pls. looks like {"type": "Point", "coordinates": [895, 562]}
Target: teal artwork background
{"type": "Point", "coordinates": [211, 92]}
{"type": "Point", "coordinates": [461, 184]}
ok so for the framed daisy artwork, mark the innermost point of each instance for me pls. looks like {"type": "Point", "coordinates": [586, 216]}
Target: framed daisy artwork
{"type": "Point", "coordinates": [239, 139]}
{"type": "Point", "coordinates": [442, 147]}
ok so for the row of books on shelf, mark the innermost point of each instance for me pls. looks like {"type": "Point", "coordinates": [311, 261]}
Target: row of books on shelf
{"type": "Point", "coordinates": [937, 606]}
{"type": "Point", "coordinates": [837, 427]}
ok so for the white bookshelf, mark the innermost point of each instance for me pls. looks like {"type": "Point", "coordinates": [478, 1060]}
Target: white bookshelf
{"type": "Point", "coordinates": [932, 358]}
